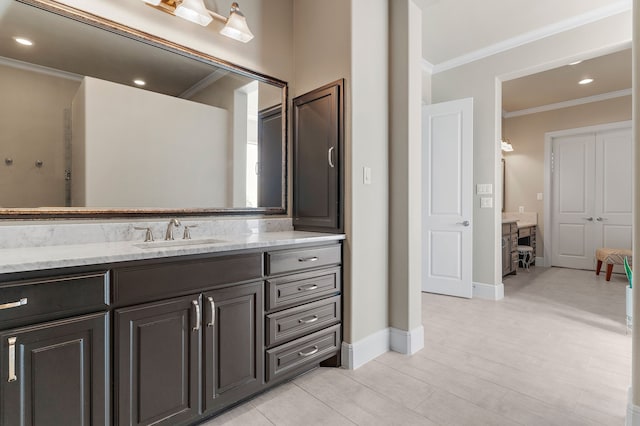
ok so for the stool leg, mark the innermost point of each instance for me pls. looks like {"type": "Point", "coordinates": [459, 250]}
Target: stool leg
{"type": "Point", "coordinates": [609, 271]}
{"type": "Point", "coordinates": [599, 267]}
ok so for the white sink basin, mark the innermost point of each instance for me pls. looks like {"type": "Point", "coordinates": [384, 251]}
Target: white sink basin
{"type": "Point", "coordinates": [178, 243]}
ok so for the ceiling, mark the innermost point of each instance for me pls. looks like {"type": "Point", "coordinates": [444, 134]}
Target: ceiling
{"type": "Point", "coordinates": [610, 73]}
{"type": "Point", "coordinates": [452, 28]}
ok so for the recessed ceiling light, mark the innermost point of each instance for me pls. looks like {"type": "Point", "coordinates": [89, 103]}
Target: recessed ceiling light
{"type": "Point", "coordinates": [139, 82]}
{"type": "Point", "coordinates": [585, 81]}
{"type": "Point", "coordinates": [575, 63]}
{"type": "Point", "coordinates": [23, 41]}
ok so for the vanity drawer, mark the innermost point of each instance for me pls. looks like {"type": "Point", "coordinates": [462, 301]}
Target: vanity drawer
{"type": "Point", "coordinates": [287, 359]}
{"type": "Point", "coordinates": [524, 232]}
{"type": "Point", "coordinates": [174, 278]}
{"type": "Point", "coordinates": [295, 260]}
{"type": "Point", "coordinates": [33, 301]}
{"type": "Point", "coordinates": [301, 288]}
{"type": "Point", "coordinates": [291, 323]}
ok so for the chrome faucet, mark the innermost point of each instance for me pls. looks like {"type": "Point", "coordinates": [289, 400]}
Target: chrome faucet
{"type": "Point", "coordinates": [172, 223]}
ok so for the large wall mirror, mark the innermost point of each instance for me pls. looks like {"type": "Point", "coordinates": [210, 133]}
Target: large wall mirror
{"type": "Point", "coordinates": [100, 119]}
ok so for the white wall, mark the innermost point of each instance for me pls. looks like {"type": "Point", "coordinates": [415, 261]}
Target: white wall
{"type": "Point", "coordinates": [144, 149]}
{"type": "Point", "coordinates": [481, 80]}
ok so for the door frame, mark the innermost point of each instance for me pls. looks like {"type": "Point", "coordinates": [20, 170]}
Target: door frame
{"type": "Point", "coordinates": [548, 197]}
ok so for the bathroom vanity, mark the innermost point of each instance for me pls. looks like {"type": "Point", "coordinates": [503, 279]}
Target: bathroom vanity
{"type": "Point", "coordinates": [170, 335]}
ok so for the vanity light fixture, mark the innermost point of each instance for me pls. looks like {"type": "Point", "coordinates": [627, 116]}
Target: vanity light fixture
{"type": "Point", "coordinates": [23, 41]}
{"type": "Point", "coordinates": [586, 81]}
{"type": "Point", "coordinates": [506, 145]}
{"type": "Point", "coordinates": [235, 26]}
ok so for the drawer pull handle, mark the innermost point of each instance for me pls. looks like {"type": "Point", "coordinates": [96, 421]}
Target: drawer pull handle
{"type": "Point", "coordinates": [12, 359]}
{"type": "Point", "coordinates": [213, 311]}
{"type": "Point", "coordinates": [17, 304]}
{"type": "Point", "coordinates": [308, 259]}
{"type": "Point", "coordinates": [308, 320]}
{"type": "Point", "coordinates": [311, 352]}
{"type": "Point", "coordinates": [308, 287]}
{"type": "Point", "coordinates": [196, 305]}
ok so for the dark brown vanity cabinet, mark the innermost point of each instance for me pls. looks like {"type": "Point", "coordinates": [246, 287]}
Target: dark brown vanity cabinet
{"type": "Point", "coordinates": [318, 152]}
{"type": "Point", "coordinates": [181, 358]}
{"type": "Point", "coordinates": [54, 359]}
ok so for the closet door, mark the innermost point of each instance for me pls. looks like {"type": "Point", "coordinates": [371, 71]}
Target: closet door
{"type": "Point", "coordinates": [317, 159]}
{"type": "Point", "coordinates": [613, 200]}
{"type": "Point", "coordinates": [573, 201]}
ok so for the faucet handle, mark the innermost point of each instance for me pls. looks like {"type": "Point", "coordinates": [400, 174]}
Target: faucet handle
{"type": "Point", "coordinates": [187, 231]}
{"type": "Point", "coordinates": [148, 236]}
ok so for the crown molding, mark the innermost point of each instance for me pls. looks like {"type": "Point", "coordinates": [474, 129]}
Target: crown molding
{"type": "Point", "coordinates": [568, 104]}
{"type": "Point", "coordinates": [26, 66]}
{"type": "Point", "coordinates": [427, 66]}
{"type": "Point", "coordinates": [595, 15]}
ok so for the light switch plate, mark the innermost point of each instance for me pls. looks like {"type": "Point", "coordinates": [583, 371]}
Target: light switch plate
{"type": "Point", "coordinates": [484, 189]}
{"type": "Point", "coordinates": [366, 175]}
{"type": "Point", "coordinates": [486, 202]}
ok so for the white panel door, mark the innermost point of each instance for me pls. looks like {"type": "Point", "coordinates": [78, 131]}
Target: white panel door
{"type": "Point", "coordinates": [613, 189]}
{"type": "Point", "coordinates": [592, 190]}
{"type": "Point", "coordinates": [447, 200]}
{"type": "Point", "coordinates": [573, 201]}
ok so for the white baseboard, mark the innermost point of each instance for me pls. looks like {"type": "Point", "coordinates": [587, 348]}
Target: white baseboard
{"type": "Point", "coordinates": [407, 342]}
{"type": "Point", "coordinates": [356, 354]}
{"type": "Point", "coordinates": [633, 411]}
{"type": "Point", "coordinates": [488, 291]}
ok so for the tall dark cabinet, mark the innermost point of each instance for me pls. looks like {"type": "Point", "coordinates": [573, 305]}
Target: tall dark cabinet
{"type": "Point", "coordinates": [318, 152]}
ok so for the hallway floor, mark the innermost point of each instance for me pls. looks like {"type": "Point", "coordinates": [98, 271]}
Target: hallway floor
{"type": "Point", "coordinates": [553, 352]}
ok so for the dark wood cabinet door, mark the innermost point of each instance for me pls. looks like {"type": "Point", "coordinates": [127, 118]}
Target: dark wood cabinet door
{"type": "Point", "coordinates": [157, 361]}
{"type": "Point", "coordinates": [55, 373]}
{"type": "Point", "coordinates": [318, 159]}
{"type": "Point", "coordinates": [270, 160]}
{"type": "Point", "coordinates": [233, 363]}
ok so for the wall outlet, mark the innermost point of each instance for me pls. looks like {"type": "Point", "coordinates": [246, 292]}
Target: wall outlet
{"type": "Point", "coordinates": [520, 209]}
{"type": "Point", "coordinates": [539, 196]}
{"type": "Point", "coordinates": [486, 202]}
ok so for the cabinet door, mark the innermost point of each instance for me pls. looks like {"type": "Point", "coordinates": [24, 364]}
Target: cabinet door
{"type": "Point", "coordinates": [317, 165]}
{"type": "Point", "coordinates": [55, 373]}
{"type": "Point", "coordinates": [234, 344]}
{"type": "Point", "coordinates": [157, 353]}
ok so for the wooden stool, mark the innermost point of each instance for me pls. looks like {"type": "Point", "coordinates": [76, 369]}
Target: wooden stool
{"type": "Point", "coordinates": [611, 257]}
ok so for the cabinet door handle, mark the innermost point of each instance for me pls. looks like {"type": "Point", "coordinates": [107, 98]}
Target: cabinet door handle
{"type": "Point", "coordinates": [308, 259]}
{"type": "Point", "coordinates": [590, 219]}
{"type": "Point", "coordinates": [212, 304]}
{"type": "Point", "coordinates": [600, 219]}
{"type": "Point", "coordinates": [12, 359]}
{"type": "Point", "coordinates": [308, 287]}
{"type": "Point", "coordinates": [308, 320]}
{"type": "Point", "coordinates": [311, 352]}
{"type": "Point", "coordinates": [196, 305]}
{"type": "Point", "coordinates": [17, 304]}
{"type": "Point", "coordinates": [330, 157]}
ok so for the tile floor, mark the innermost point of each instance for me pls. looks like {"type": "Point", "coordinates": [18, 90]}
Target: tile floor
{"type": "Point", "coordinates": [553, 352]}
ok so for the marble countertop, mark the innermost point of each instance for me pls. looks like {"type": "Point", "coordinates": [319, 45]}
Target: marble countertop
{"type": "Point", "coordinates": [60, 256]}
{"type": "Point", "coordinates": [526, 224]}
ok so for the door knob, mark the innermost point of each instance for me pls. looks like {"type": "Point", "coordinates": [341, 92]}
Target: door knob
{"type": "Point", "coordinates": [464, 223]}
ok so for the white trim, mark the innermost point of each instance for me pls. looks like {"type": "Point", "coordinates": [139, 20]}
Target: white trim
{"type": "Point", "coordinates": [204, 83]}
{"type": "Point", "coordinates": [614, 8]}
{"type": "Point", "coordinates": [357, 354]}
{"type": "Point", "coordinates": [488, 291]}
{"type": "Point", "coordinates": [568, 104]}
{"type": "Point", "coordinates": [548, 196]}
{"type": "Point", "coordinates": [540, 261]}
{"type": "Point", "coordinates": [427, 66]}
{"type": "Point", "coordinates": [52, 72]}
{"type": "Point", "coordinates": [406, 342]}
{"type": "Point", "coordinates": [633, 411]}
